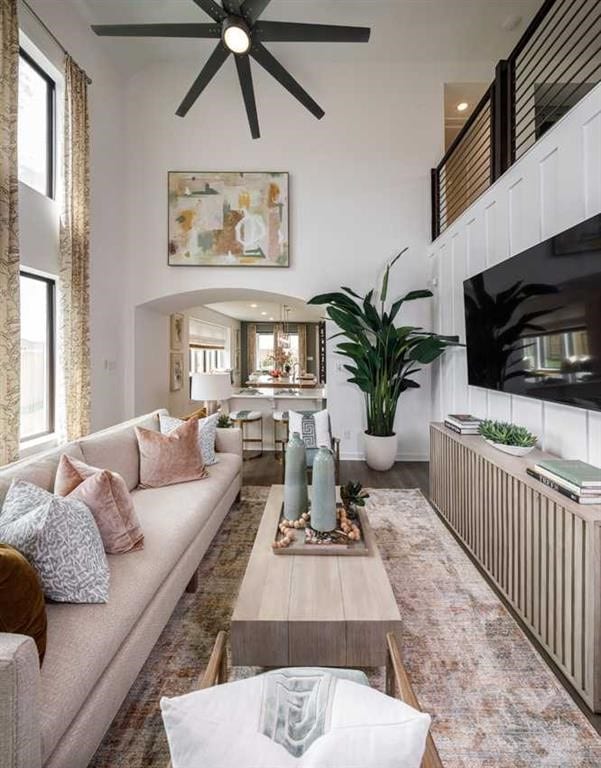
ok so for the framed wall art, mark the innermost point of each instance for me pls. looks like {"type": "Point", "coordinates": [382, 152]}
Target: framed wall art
{"type": "Point", "coordinates": [177, 331]}
{"type": "Point", "coordinates": [176, 373]}
{"type": "Point", "coordinates": [229, 219]}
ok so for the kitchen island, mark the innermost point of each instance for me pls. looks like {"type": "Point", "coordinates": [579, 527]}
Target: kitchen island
{"type": "Point", "coordinates": [267, 400]}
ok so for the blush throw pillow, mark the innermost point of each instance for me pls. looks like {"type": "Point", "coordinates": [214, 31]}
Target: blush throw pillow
{"type": "Point", "coordinates": [60, 539]}
{"type": "Point", "coordinates": [22, 606]}
{"type": "Point", "coordinates": [108, 499]}
{"type": "Point", "coordinates": [314, 428]}
{"type": "Point", "coordinates": [172, 458]}
{"type": "Point", "coordinates": [207, 434]}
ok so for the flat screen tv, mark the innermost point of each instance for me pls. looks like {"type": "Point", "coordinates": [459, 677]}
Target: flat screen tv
{"type": "Point", "coordinates": [533, 322]}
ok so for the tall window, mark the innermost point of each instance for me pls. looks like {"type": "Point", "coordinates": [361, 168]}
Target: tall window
{"type": "Point", "coordinates": [35, 141]}
{"type": "Point", "coordinates": [37, 356]}
{"type": "Point", "coordinates": [206, 359]}
{"type": "Point", "coordinates": [265, 359]}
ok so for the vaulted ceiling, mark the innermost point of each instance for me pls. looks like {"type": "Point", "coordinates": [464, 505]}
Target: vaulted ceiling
{"type": "Point", "coordinates": [423, 30]}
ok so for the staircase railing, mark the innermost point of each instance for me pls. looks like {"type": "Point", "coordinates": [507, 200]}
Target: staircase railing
{"type": "Point", "coordinates": [555, 64]}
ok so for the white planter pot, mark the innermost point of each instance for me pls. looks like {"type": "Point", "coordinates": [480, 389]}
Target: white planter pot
{"type": "Point", "coordinates": [512, 450]}
{"type": "Point", "coordinates": [380, 452]}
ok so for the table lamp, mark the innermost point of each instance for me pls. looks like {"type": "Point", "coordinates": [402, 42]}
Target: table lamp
{"type": "Point", "coordinates": [211, 388]}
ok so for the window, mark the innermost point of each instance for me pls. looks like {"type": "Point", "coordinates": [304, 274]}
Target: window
{"type": "Point", "coordinates": [37, 356]}
{"type": "Point", "coordinates": [265, 359]}
{"type": "Point", "coordinates": [35, 140]}
{"type": "Point", "coordinates": [206, 359]}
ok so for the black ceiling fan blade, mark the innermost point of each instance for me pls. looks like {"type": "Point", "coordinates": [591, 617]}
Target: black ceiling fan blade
{"type": "Point", "coordinates": [248, 93]}
{"type": "Point", "coordinates": [207, 73]}
{"type": "Point", "coordinates": [214, 10]}
{"type": "Point", "coordinates": [252, 9]}
{"type": "Point", "coordinates": [275, 69]}
{"type": "Point", "coordinates": [292, 32]}
{"type": "Point", "coordinates": [232, 6]}
{"type": "Point", "coordinates": [158, 30]}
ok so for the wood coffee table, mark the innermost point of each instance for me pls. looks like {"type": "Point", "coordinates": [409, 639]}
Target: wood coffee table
{"type": "Point", "coordinates": [311, 610]}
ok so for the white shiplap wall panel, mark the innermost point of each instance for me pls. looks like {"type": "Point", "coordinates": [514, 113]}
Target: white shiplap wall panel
{"type": "Point", "coordinates": [552, 187]}
{"type": "Point", "coordinates": [591, 163]}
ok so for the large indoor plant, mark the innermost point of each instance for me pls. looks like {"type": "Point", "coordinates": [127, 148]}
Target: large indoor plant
{"type": "Point", "coordinates": [383, 356]}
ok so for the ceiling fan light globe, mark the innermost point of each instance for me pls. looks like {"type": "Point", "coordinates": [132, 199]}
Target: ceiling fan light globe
{"type": "Point", "coordinates": [236, 38]}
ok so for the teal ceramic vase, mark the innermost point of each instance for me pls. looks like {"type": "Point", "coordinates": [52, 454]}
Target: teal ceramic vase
{"type": "Point", "coordinates": [296, 500]}
{"type": "Point", "coordinates": [323, 497]}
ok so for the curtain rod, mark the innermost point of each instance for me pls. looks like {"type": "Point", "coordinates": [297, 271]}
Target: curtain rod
{"type": "Point", "coordinates": [51, 33]}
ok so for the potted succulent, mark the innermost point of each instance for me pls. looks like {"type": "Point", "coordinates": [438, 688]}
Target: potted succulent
{"type": "Point", "coordinates": [353, 496]}
{"type": "Point", "coordinates": [383, 357]}
{"type": "Point", "coordinates": [509, 438]}
{"type": "Point", "coordinates": [224, 421]}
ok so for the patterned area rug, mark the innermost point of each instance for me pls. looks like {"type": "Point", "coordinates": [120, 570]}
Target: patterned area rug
{"type": "Point", "coordinates": [494, 701]}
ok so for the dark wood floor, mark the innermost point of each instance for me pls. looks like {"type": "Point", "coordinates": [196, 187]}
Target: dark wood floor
{"type": "Point", "coordinates": [407, 474]}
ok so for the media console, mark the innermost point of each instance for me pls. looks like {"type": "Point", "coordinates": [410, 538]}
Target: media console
{"type": "Point", "coordinates": [541, 550]}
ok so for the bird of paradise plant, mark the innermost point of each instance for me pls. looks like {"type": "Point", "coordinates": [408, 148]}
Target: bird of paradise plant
{"type": "Point", "coordinates": [383, 356]}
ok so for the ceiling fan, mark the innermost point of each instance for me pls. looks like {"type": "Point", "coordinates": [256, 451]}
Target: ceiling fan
{"type": "Point", "coordinates": [237, 27]}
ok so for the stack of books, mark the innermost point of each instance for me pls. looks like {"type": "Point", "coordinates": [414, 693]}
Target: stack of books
{"type": "Point", "coordinates": [463, 423]}
{"type": "Point", "coordinates": [577, 480]}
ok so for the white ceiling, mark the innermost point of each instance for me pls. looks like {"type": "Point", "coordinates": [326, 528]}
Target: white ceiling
{"type": "Point", "coordinates": [266, 311]}
{"type": "Point", "coordinates": [445, 30]}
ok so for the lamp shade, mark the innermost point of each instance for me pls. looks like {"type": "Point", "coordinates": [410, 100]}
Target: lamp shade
{"type": "Point", "coordinates": [211, 386]}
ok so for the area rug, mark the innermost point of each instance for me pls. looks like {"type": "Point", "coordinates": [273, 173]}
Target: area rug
{"type": "Point", "coordinates": [493, 700]}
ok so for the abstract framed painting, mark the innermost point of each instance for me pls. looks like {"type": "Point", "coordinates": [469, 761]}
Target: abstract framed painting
{"type": "Point", "coordinates": [228, 219]}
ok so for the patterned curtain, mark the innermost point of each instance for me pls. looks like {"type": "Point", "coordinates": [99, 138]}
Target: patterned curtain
{"type": "Point", "coordinates": [74, 272]}
{"type": "Point", "coordinates": [302, 347]}
{"type": "Point", "coordinates": [10, 330]}
{"type": "Point", "coordinates": [251, 348]}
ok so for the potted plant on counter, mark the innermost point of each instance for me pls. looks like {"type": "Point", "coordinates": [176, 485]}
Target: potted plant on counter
{"type": "Point", "coordinates": [383, 357]}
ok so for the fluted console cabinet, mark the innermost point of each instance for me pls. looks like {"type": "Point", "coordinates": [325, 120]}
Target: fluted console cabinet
{"type": "Point", "coordinates": [539, 548]}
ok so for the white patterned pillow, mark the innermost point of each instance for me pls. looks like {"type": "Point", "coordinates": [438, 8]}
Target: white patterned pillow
{"type": "Point", "coordinates": [207, 433]}
{"type": "Point", "coordinates": [293, 719]}
{"type": "Point", "coordinates": [60, 539]}
{"type": "Point", "coordinates": [314, 428]}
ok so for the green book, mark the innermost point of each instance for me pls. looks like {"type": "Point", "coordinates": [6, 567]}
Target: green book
{"type": "Point", "coordinates": [576, 472]}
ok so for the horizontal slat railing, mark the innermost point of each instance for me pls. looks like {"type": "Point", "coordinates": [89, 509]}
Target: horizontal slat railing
{"type": "Point", "coordinates": [555, 64]}
{"type": "Point", "coordinates": [465, 171]}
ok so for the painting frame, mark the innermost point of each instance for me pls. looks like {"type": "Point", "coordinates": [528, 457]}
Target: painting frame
{"type": "Point", "coordinates": [176, 371]}
{"type": "Point", "coordinates": [247, 258]}
{"type": "Point", "coordinates": [176, 331]}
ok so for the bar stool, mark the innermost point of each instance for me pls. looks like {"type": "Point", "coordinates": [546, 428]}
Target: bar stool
{"type": "Point", "coordinates": [280, 417]}
{"type": "Point", "coordinates": [242, 419]}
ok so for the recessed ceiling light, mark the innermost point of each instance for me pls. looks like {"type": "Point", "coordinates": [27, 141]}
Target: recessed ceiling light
{"type": "Point", "coordinates": [263, 313]}
{"type": "Point", "coordinates": [462, 106]}
{"type": "Point", "coordinates": [271, 318]}
{"type": "Point", "coordinates": [254, 306]}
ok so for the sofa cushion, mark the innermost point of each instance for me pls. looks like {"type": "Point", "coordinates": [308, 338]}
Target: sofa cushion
{"type": "Point", "coordinates": [117, 449]}
{"type": "Point", "coordinates": [39, 469]}
{"type": "Point", "coordinates": [171, 517]}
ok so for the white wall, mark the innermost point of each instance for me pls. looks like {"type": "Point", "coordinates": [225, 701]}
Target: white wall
{"type": "Point", "coordinates": [553, 187]}
{"type": "Point", "coordinates": [359, 183]}
{"type": "Point", "coordinates": [39, 216]}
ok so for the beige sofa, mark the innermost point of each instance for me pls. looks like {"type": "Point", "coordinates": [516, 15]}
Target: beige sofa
{"type": "Point", "coordinates": [57, 717]}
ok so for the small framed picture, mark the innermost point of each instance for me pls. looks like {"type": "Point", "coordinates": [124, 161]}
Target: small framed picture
{"type": "Point", "coordinates": [177, 331]}
{"type": "Point", "coordinates": [176, 376]}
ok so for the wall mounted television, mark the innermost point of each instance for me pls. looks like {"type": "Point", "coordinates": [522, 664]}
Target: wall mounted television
{"type": "Point", "coordinates": [533, 322]}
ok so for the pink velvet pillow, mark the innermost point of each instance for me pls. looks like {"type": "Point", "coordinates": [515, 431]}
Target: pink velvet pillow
{"type": "Point", "coordinates": [172, 458]}
{"type": "Point", "coordinates": [107, 497]}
